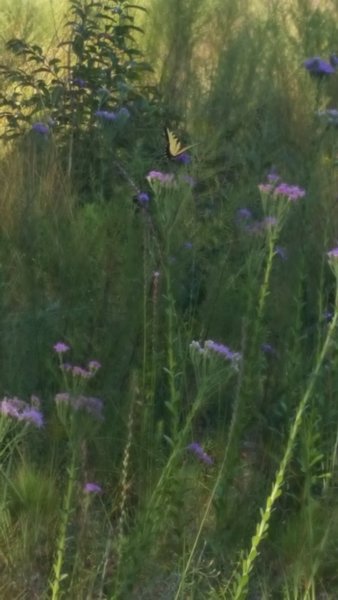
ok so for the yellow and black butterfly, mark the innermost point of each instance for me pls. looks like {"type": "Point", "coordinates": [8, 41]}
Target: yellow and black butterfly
{"type": "Point", "coordinates": [174, 147]}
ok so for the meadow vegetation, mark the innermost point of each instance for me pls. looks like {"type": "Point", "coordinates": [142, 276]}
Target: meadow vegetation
{"type": "Point", "coordinates": [169, 356]}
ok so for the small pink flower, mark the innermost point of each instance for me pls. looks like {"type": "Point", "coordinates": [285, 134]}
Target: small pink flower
{"type": "Point", "coordinates": [92, 488]}
{"type": "Point", "coordinates": [94, 366]}
{"type": "Point", "coordinates": [60, 347]}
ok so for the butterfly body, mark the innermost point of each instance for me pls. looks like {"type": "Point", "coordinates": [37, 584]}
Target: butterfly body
{"type": "Point", "coordinates": [174, 147]}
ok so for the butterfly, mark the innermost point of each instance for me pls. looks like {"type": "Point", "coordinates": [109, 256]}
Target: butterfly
{"type": "Point", "coordinates": [174, 147]}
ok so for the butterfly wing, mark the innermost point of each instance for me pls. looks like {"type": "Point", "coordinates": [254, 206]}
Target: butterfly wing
{"type": "Point", "coordinates": [174, 146]}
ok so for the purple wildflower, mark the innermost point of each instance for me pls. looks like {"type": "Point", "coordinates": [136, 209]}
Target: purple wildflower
{"type": "Point", "coordinates": [184, 158]}
{"type": "Point", "coordinates": [196, 449]}
{"type": "Point", "coordinates": [88, 404]}
{"type": "Point", "coordinates": [291, 192]}
{"type": "Point", "coordinates": [272, 177]}
{"type": "Point", "coordinates": [81, 83]}
{"type": "Point", "coordinates": [319, 67]}
{"type": "Point", "coordinates": [32, 415]}
{"type": "Point", "coordinates": [211, 347]}
{"type": "Point", "coordinates": [63, 397]}
{"type": "Point", "coordinates": [142, 198]}
{"type": "Point", "coordinates": [222, 350]}
{"type": "Point", "coordinates": [265, 188]}
{"type": "Point", "coordinates": [94, 366]}
{"type": "Point", "coordinates": [21, 411]}
{"type": "Point", "coordinates": [60, 347]}
{"type": "Point", "coordinates": [78, 371]}
{"type": "Point", "coordinates": [161, 177]}
{"type": "Point", "coordinates": [243, 214]}
{"type": "Point", "coordinates": [40, 128]}
{"type": "Point", "coordinates": [333, 254]}
{"type": "Point", "coordinates": [106, 115]}
{"type": "Point", "coordinates": [12, 407]}
{"type": "Point", "coordinates": [92, 488]}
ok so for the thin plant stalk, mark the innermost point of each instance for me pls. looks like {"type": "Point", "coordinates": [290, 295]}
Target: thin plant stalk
{"type": "Point", "coordinates": [240, 590]}
{"type": "Point", "coordinates": [58, 576]}
{"type": "Point", "coordinates": [172, 404]}
{"type": "Point", "coordinates": [264, 290]}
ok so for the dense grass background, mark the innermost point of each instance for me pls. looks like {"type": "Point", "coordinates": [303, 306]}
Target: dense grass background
{"type": "Point", "coordinates": [250, 510]}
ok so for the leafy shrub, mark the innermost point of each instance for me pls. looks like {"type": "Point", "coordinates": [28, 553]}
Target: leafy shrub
{"type": "Point", "coordinates": [86, 93]}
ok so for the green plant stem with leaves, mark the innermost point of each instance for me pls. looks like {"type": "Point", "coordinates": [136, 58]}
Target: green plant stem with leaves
{"type": "Point", "coordinates": [67, 509]}
{"type": "Point", "coordinates": [173, 404]}
{"type": "Point", "coordinates": [264, 289]}
{"type": "Point", "coordinates": [241, 585]}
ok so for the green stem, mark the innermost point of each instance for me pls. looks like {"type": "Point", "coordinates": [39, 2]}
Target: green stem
{"type": "Point", "coordinates": [265, 285]}
{"type": "Point", "coordinates": [247, 563]}
{"type": "Point", "coordinates": [173, 402]}
{"type": "Point", "coordinates": [62, 537]}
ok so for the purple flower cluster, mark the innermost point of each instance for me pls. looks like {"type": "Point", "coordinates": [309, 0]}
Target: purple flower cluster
{"type": "Point", "coordinates": [77, 371]}
{"type": "Point", "coordinates": [284, 190]}
{"type": "Point", "coordinates": [165, 178]}
{"type": "Point", "coordinates": [61, 347]}
{"type": "Point", "coordinates": [318, 67]}
{"type": "Point", "coordinates": [40, 128]}
{"type": "Point", "coordinates": [196, 449]}
{"type": "Point", "coordinates": [92, 488]}
{"type": "Point", "coordinates": [21, 411]}
{"type": "Point", "coordinates": [222, 350]}
{"type": "Point", "coordinates": [92, 367]}
{"type": "Point", "coordinates": [273, 177]}
{"type": "Point", "coordinates": [210, 347]}
{"type": "Point", "coordinates": [92, 406]}
{"type": "Point", "coordinates": [183, 158]}
{"type": "Point", "coordinates": [142, 198]}
{"type": "Point", "coordinates": [109, 115]}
